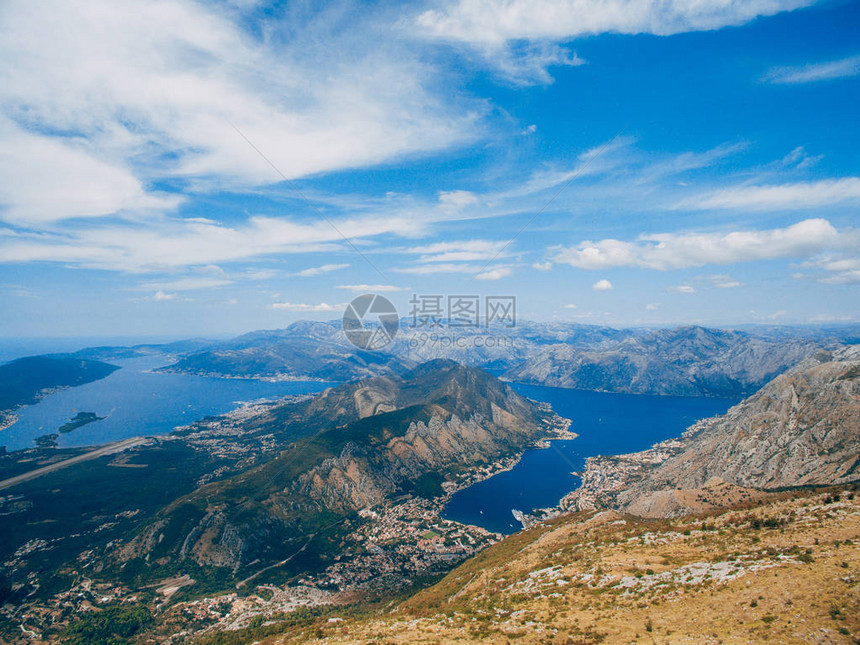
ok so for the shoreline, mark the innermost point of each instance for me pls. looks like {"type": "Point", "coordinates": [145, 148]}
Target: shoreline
{"type": "Point", "coordinates": [276, 378]}
{"type": "Point", "coordinates": [558, 429]}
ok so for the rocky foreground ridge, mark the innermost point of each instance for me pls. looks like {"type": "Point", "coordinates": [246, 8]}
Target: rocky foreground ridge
{"type": "Point", "coordinates": [785, 570]}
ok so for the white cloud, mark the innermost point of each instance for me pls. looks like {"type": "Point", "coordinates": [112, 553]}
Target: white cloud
{"type": "Point", "coordinates": [457, 198]}
{"type": "Point", "coordinates": [291, 306]}
{"type": "Point", "coordinates": [494, 274]}
{"type": "Point", "coordinates": [652, 307]}
{"type": "Point", "coordinates": [682, 288]}
{"type": "Point", "coordinates": [372, 288]}
{"type": "Point", "coordinates": [325, 268]}
{"type": "Point", "coordinates": [602, 285]}
{"type": "Point", "coordinates": [841, 270]}
{"type": "Point", "coordinates": [723, 281]}
{"type": "Point", "coordinates": [527, 65]}
{"type": "Point", "coordinates": [814, 72]}
{"type": "Point", "coordinates": [122, 94]}
{"type": "Point", "coordinates": [498, 21]}
{"type": "Point", "coordinates": [18, 291]}
{"type": "Point", "coordinates": [458, 251]}
{"type": "Point", "coordinates": [259, 274]}
{"type": "Point", "coordinates": [800, 159]}
{"type": "Point", "coordinates": [795, 196]}
{"type": "Point", "coordinates": [459, 256]}
{"type": "Point", "coordinates": [570, 306]}
{"type": "Point", "coordinates": [679, 250]}
{"type": "Point", "coordinates": [43, 180]}
{"type": "Point", "coordinates": [186, 284]}
{"type": "Point", "coordinates": [430, 269]}
{"type": "Point", "coordinates": [518, 38]}
{"type": "Point", "coordinates": [162, 296]}
{"type": "Point", "coordinates": [542, 266]}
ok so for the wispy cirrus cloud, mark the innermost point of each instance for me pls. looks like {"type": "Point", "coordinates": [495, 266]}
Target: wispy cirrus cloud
{"type": "Point", "coordinates": [460, 256]}
{"type": "Point", "coordinates": [792, 196]}
{"type": "Point", "coordinates": [187, 284]}
{"type": "Point", "coordinates": [168, 244]}
{"type": "Point", "coordinates": [325, 268]}
{"type": "Point", "coordinates": [722, 281]}
{"type": "Point", "coordinates": [372, 288]}
{"type": "Point", "coordinates": [837, 268]}
{"type": "Point", "coordinates": [307, 308]}
{"type": "Point", "coordinates": [496, 273]}
{"type": "Point", "coordinates": [440, 267]}
{"type": "Point", "coordinates": [458, 250]}
{"type": "Point", "coordinates": [682, 288]}
{"type": "Point", "coordinates": [814, 72]}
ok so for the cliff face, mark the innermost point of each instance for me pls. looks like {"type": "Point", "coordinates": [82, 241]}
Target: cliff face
{"type": "Point", "coordinates": [803, 428]}
{"type": "Point", "coordinates": [689, 361]}
{"type": "Point", "coordinates": [366, 472]}
{"type": "Point", "coordinates": [364, 442]}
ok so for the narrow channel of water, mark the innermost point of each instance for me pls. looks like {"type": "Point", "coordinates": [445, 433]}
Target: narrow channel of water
{"type": "Point", "coordinates": [607, 424]}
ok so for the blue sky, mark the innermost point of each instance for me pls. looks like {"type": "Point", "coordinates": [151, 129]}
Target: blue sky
{"type": "Point", "coordinates": [615, 162]}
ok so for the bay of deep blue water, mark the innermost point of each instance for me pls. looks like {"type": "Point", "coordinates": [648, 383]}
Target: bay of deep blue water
{"type": "Point", "coordinates": [607, 424]}
{"type": "Point", "coordinates": [136, 402]}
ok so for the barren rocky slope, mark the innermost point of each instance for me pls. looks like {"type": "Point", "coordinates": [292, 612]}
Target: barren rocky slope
{"type": "Point", "coordinates": [784, 571]}
{"type": "Point", "coordinates": [803, 428]}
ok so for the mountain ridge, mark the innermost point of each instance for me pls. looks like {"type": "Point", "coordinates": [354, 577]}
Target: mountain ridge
{"type": "Point", "coordinates": [689, 361]}
{"type": "Point", "coordinates": [683, 361]}
{"type": "Point", "coordinates": [377, 438]}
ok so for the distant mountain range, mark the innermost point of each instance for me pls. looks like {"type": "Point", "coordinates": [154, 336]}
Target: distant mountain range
{"type": "Point", "coordinates": [689, 361]}
{"type": "Point", "coordinates": [304, 350]}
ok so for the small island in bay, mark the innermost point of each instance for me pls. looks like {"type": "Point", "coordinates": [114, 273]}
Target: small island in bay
{"type": "Point", "coordinates": [79, 420]}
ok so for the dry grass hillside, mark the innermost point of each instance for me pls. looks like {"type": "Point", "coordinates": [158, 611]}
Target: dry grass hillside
{"type": "Point", "coordinates": [785, 569]}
